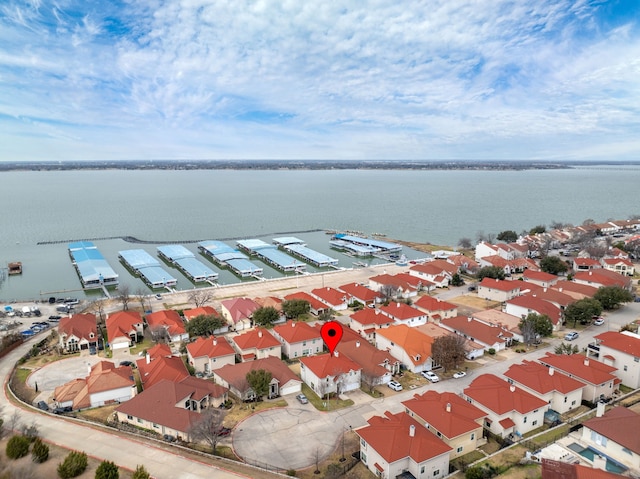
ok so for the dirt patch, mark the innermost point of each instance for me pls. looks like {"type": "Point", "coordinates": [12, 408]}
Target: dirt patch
{"type": "Point", "coordinates": [530, 471]}
{"type": "Point", "coordinates": [508, 457]}
{"type": "Point", "coordinates": [473, 302]}
{"type": "Point", "coordinates": [240, 411]}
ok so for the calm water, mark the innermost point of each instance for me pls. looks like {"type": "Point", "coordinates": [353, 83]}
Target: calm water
{"type": "Point", "coordinates": [438, 207]}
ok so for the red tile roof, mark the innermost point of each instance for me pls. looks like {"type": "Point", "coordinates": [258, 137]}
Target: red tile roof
{"type": "Point", "coordinates": [402, 280]}
{"type": "Point", "coordinates": [561, 470]}
{"type": "Point", "coordinates": [122, 324]}
{"type": "Point", "coordinates": [529, 275]}
{"type": "Point", "coordinates": [168, 318]}
{"type": "Point", "coordinates": [431, 304]}
{"type": "Point", "coordinates": [506, 423]}
{"type": "Point", "coordinates": [573, 287]}
{"type": "Point", "coordinates": [315, 304]}
{"type": "Point", "coordinates": [620, 425]}
{"type": "Point", "coordinates": [538, 305]}
{"type": "Point", "coordinates": [542, 379]}
{"type": "Point", "coordinates": [624, 342]}
{"type": "Point", "coordinates": [603, 277]}
{"type": "Point", "coordinates": [391, 437]}
{"type": "Point", "coordinates": [211, 347]}
{"type": "Point", "coordinates": [412, 341]}
{"type": "Point", "coordinates": [236, 374]}
{"type": "Point", "coordinates": [360, 292]}
{"type": "Point", "coordinates": [296, 332]}
{"type": "Point", "coordinates": [615, 261]}
{"type": "Point", "coordinates": [269, 302]}
{"type": "Point", "coordinates": [329, 365]}
{"type": "Point", "coordinates": [331, 296]}
{"type": "Point", "coordinates": [434, 268]}
{"type": "Point", "coordinates": [581, 367]}
{"type": "Point", "coordinates": [240, 308]}
{"type": "Point", "coordinates": [501, 397]}
{"type": "Point", "coordinates": [460, 418]}
{"type": "Point", "coordinates": [367, 356]}
{"type": "Point", "coordinates": [258, 338]}
{"type": "Point", "coordinates": [500, 284]}
{"type": "Point", "coordinates": [369, 316]}
{"type": "Point", "coordinates": [588, 262]}
{"type": "Point", "coordinates": [189, 314]}
{"type": "Point", "coordinates": [82, 326]}
{"type": "Point", "coordinates": [477, 330]}
{"type": "Point", "coordinates": [401, 311]}
{"type": "Point", "coordinates": [554, 296]}
{"type": "Point", "coordinates": [170, 368]}
{"type": "Point", "coordinates": [159, 350]}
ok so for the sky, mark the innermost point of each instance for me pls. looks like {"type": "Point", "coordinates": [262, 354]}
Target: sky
{"type": "Point", "coordinates": [293, 79]}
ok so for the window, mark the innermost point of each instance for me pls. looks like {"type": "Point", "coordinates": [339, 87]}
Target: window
{"type": "Point", "coordinates": [525, 420]}
{"type": "Point", "coordinates": [363, 456]}
{"type": "Point", "coordinates": [627, 451]}
{"type": "Point", "coordinates": [565, 399]}
{"type": "Point", "coordinates": [487, 424]}
{"type": "Point", "coordinates": [473, 436]}
{"type": "Point", "coordinates": [304, 343]}
{"type": "Point", "coordinates": [438, 433]}
{"type": "Point", "coordinates": [625, 367]}
{"type": "Point", "coordinates": [422, 470]}
{"type": "Point", "coordinates": [155, 425]}
{"type": "Point", "coordinates": [363, 444]}
{"type": "Point", "coordinates": [636, 360]}
{"type": "Point", "coordinates": [129, 416]}
{"type": "Point", "coordinates": [436, 472]}
{"type": "Point", "coordinates": [140, 420]}
{"type": "Point", "coordinates": [459, 449]}
{"type": "Point", "coordinates": [598, 439]}
{"type": "Point", "coordinates": [534, 423]}
{"type": "Point", "coordinates": [573, 403]}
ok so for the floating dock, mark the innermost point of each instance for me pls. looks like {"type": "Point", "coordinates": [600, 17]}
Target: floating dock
{"type": "Point", "coordinates": [270, 254]}
{"type": "Point", "coordinates": [360, 246]}
{"type": "Point", "coordinates": [288, 241]}
{"type": "Point", "coordinates": [227, 257]}
{"type": "Point", "coordinates": [186, 261]}
{"type": "Point", "coordinates": [92, 268]}
{"type": "Point", "coordinates": [145, 265]}
{"type": "Point", "coordinates": [311, 256]}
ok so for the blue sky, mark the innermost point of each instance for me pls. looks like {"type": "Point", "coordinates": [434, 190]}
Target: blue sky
{"type": "Point", "coordinates": [290, 79]}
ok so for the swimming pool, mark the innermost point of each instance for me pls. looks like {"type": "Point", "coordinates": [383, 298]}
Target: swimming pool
{"type": "Point", "coordinates": [589, 453]}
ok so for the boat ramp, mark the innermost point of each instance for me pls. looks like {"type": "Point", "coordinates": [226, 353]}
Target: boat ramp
{"type": "Point", "coordinates": [227, 257]}
{"type": "Point", "coordinates": [149, 269]}
{"type": "Point", "coordinates": [186, 262]}
{"type": "Point", "coordinates": [271, 255]}
{"type": "Point", "coordinates": [92, 268]}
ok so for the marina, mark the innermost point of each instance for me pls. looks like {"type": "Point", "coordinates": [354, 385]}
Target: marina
{"type": "Point", "coordinates": [298, 248]}
{"type": "Point", "coordinates": [147, 267]}
{"type": "Point", "coordinates": [92, 268]}
{"type": "Point", "coordinates": [225, 256]}
{"type": "Point", "coordinates": [271, 255]}
{"type": "Point", "coordinates": [186, 262]}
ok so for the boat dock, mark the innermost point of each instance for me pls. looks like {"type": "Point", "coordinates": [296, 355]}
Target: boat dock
{"type": "Point", "coordinates": [227, 257]}
{"type": "Point", "coordinates": [376, 246]}
{"type": "Point", "coordinates": [271, 255]}
{"type": "Point", "coordinates": [285, 241]}
{"type": "Point", "coordinates": [92, 268]}
{"type": "Point", "coordinates": [147, 267]}
{"type": "Point", "coordinates": [311, 256]}
{"type": "Point", "coordinates": [186, 262]}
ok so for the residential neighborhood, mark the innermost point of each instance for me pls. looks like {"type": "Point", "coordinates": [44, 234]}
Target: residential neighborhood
{"type": "Point", "coordinates": [507, 384]}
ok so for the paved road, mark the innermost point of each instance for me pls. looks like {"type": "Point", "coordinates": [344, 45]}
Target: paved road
{"type": "Point", "coordinates": [306, 431]}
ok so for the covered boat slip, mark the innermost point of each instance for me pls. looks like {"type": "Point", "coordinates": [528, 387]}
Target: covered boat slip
{"type": "Point", "coordinates": [186, 261]}
{"type": "Point", "coordinates": [318, 259]}
{"type": "Point", "coordinates": [225, 256]}
{"type": "Point", "coordinates": [352, 248]}
{"type": "Point", "coordinates": [287, 241]}
{"type": "Point", "coordinates": [92, 268]}
{"type": "Point", "coordinates": [376, 245]}
{"type": "Point", "coordinates": [142, 263]}
{"type": "Point", "coordinates": [271, 255]}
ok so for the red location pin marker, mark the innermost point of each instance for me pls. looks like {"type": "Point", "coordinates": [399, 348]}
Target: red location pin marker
{"type": "Point", "coordinates": [331, 333]}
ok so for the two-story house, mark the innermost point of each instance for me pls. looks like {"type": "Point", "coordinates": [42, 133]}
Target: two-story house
{"type": "Point", "coordinates": [620, 350]}
{"type": "Point", "coordinates": [335, 299]}
{"type": "Point", "coordinates": [238, 312]}
{"type": "Point", "coordinates": [207, 354]}
{"type": "Point", "coordinates": [366, 321]}
{"type": "Point", "coordinates": [330, 373]}
{"type": "Point", "coordinates": [435, 308]}
{"type": "Point", "coordinates": [78, 332]}
{"type": "Point", "coordinates": [498, 290]}
{"type": "Point", "coordinates": [123, 329]}
{"type": "Point", "coordinates": [491, 337]}
{"type": "Point", "coordinates": [169, 323]}
{"type": "Point", "coordinates": [298, 339]}
{"type": "Point", "coordinates": [360, 293]}
{"type": "Point", "coordinates": [257, 343]}
{"type": "Point", "coordinates": [402, 313]}
{"type": "Point", "coordinates": [408, 345]}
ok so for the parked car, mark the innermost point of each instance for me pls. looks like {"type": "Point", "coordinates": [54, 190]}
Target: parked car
{"type": "Point", "coordinates": [224, 431]}
{"type": "Point", "coordinates": [169, 438]}
{"type": "Point", "coordinates": [127, 363]}
{"type": "Point", "coordinates": [471, 288]}
{"type": "Point", "coordinates": [43, 405]}
{"type": "Point", "coordinates": [158, 296]}
{"type": "Point", "coordinates": [431, 376]}
{"type": "Point", "coordinates": [55, 317]}
{"type": "Point", "coordinates": [395, 385]}
{"type": "Point", "coordinates": [571, 336]}
{"type": "Point", "coordinates": [598, 321]}
{"type": "Point", "coordinates": [459, 374]}
{"type": "Point", "coordinates": [302, 399]}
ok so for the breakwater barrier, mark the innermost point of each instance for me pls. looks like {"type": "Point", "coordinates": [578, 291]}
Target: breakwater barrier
{"type": "Point", "coordinates": [133, 239]}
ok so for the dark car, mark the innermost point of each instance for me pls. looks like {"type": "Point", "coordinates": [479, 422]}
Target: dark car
{"type": "Point", "coordinates": [43, 405]}
{"type": "Point", "coordinates": [62, 410]}
{"type": "Point", "coordinates": [224, 431]}
{"type": "Point", "coordinates": [52, 300]}
{"type": "Point", "coordinates": [169, 438]}
{"type": "Point", "coordinates": [127, 363]}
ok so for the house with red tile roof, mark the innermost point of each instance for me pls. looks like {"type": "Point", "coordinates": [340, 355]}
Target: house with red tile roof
{"type": "Point", "coordinates": [552, 469]}
{"type": "Point", "coordinates": [603, 277]}
{"type": "Point", "coordinates": [238, 312]}
{"type": "Point", "coordinates": [189, 314]}
{"type": "Point", "coordinates": [408, 345]}
{"type": "Point", "coordinates": [488, 336]}
{"type": "Point", "coordinates": [78, 332]}
{"type": "Point", "coordinates": [472, 349]}
{"type": "Point", "coordinates": [464, 263]}
{"type": "Point", "coordinates": [616, 253]}
{"type": "Point", "coordinates": [316, 307]}
{"type": "Point", "coordinates": [298, 339]}
{"type": "Point", "coordinates": [106, 384]}
{"type": "Point", "coordinates": [438, 272]}
{"type": "Point", "coordinates": [402, 313]}
{"type": "Point", "coordinates": [330, 373]}
{"type": "Point", "coordinates": [169, 321]}
{"type": "Point", "coordinates": [555, 297]}
{"type": "Point", "coordinates": [546, 280]}
{"type": "Point", "coordinates": [123, 329]}
{"type": "Point", "coordinates": [406, 286]}
{"type": "Point", "coordinates": [396, 443]}
{"type": "Point", "coordinates": [575, 290]}
{"type": "Point", "coordinates": [207, 354]}
{"type": "Point", "coordinates": [435, 308]}
{"type": "Point", "coordinates": [157, 366]}
{"type": "Point", "coordinates": [615, 434]}
{"type": "Point", "coordinates": [620, 350]}
{"type": "Point", "coordinates": [357, 292]}
{"type": "Point", "coordinates": [498, 289]}
{"type": "Point", "coordinates": [377, 366]}
{"type": "Point", "coordinates": [585, 264]}
{"type": "Point", "coordinates": [560, 391]}
{"type": "Point", "coordinates": [366, 321]}
{"type": "Point", "coordinates": [495, 317]}
{"type": "Point", "coordinates": [450, 418]}
{"type": "Point", "coordinates": [257, 343]}
{"type": "Point", "coordinates": [619, 265]}
{"type": "Point", "coordinates": [172, 407]}
{"type": "Point", "coordinates": [337, 300]}
{"type": "Point", "coordinates": [599, 379]}
{"type": "Point", "coordinates": [523, 305]}
{"type": "Point", "coordinates": [510, 409]}
{"type": "Point", "coordinates": [269, 302]}
{"type": "Point", "coordinates": [484, 249]}
{"type": "Point", "coordinates": [234, 377]}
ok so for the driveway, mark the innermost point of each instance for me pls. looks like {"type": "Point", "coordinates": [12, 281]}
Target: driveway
{"type": "Point", "coordinates": [58, 373]}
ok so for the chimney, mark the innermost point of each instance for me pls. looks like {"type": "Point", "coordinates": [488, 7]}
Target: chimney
{"type": "Point", "coordinates": [215, 341]}
{"type": "Point", "coordinates": [259, 333]}
{"type": "Point", "coordinates": [586, 361]}
{"type": "Point", "coordinates": [377, 311]}
{"type": "Point", "coordinates": [293, 324]}
{"type": "Point", "coordinates": [469, 319]}
{"type": "Point", "coordinates": [335, 354]}
{"type": "Point", "coordinates": [448, 407]}
{"type": "Point", "coordinates": [89, 369]}
{"type": "Point", "coordinates": [512, 388]}
{"type": "Point", "coordinates": [412, 430]}
{"type": "Point", "coordinates": [600, 409]}
{"type": "Point", "coordinates": [148, 358]}
{"type": "Point", "coordinates": [397, 305]}
{"type": "Point", "coordinates": [544, 290]}
{"type": "Point", "coordinates": [560, 289]}
{"type": "Point", "coordinates": [551, 371]}
{"type": "Point", "coordinates": [357, 344]}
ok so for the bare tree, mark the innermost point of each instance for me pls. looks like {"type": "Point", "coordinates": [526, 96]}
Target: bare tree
{"type": "Point", "coordinates": [388, 292]}
{"type": "Point", "coordinates": [369, 379]}
{"type": "Point", "coordinates": [124, 296]}
{"type": "Point", "coordinates": [465, 243]}
{"type": "Point", "coordinates": [98, 308]}
{"type": "Point", "coordinates": [208, 428]}
{"type": "Point", "coordinates": [448, 351]}
{"type": "Point", "coordinates": [200, 297]}
{"type": "Point", "coordinates": [159, 334]}
{"type": "Point", "coordinates": [528, 330]}
{"type": "Point", "coordinates": [14, 421]}
{"type": "Point", "coordinates": [142, 296]}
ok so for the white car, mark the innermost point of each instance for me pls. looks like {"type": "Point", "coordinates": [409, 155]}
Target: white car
{"type": "Point", "coordinates": [431, 376]}
{"type": "Point", "coordinates": [598, 321]}
{"type": "Point", "coordinates": [459, 374]}
{"type": "Point", "coordinates": [396, 386]}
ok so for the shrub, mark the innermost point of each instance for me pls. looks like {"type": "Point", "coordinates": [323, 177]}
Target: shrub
{"type": "Point", "coordinates": [141, 473]}
{"type": "Point", "coordinates": [491, 351]}
{"type": "Point", "coordinates": [40, 451]}
{"type": "Point", "coordinates": [17, 447]}
{"type": "Point", "coordinates": [292, 473]}
{"type": "Point", "coordinates": [73, 465]}
{"type": "Point", "coordinates": [107, 470]}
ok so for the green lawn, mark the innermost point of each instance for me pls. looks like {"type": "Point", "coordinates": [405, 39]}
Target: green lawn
{"type": "Point", "coordinates": [324, 405]}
